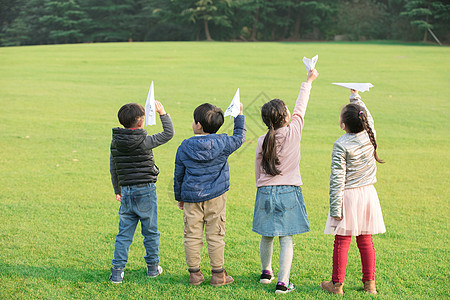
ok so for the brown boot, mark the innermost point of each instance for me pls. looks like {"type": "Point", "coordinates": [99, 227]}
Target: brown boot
{"type": "Point", "coordinates": [333, 288]}
{"type": "Point", "coordinates": [369, 287]}
{"type": "Point", "coordinates": [195, 276]}
{"type": "Point", "coordinates": [220, 277]}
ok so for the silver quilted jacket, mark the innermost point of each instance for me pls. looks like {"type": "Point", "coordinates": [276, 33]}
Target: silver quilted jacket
{"type": "Point", "coordinates": [352, 164]}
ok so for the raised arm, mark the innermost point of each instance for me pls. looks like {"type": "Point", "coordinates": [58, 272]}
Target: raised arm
{"type": "Point", "coordinates": [239, 132]}
{"type": "Point", "coordinates": [337, 180]}
{"type": "Point", "coordinates": [155, 140]}
{"type": "Point", "coordinates": [298, 114]}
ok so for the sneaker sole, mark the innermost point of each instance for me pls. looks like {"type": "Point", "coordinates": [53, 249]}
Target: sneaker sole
{"type": "Point", "coordinates": [196, 283]}
{"type": "Point", "coordinates": [221, 284]}
{"type": "Point", "coordinates": [283, 292]}
{"type": "Point", "coordinates": [266, 281]}
{"type": "Point", "coordinates": [160, 270]}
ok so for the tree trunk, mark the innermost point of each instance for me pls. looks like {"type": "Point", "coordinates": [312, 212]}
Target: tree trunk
{"type": "Point", "coordinates": [286, 27]}
{"type": "Point", "coordinates": [425, 36]}
{"type": "Point", "coordinates": [296, 34]}
{"type": "Point", "coordinates": [208, 35]}
{"type": "Point", "coordinates": [255, 26]}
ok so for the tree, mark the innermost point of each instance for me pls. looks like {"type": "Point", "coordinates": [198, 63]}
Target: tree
{"type": "Point", "coordinates": [26, 28]}
{"type": "Point", "coordinates": [419, 13]}
{"type": "Point", "coordinates": [206, 11]}
{"type": "Point", "coordinates": [112, 20]}
{"type": "Point", "coordinates": [424, 13]}
{"type": "Point", "coordinates": [361, 20]}
{"type": "Point", "coordinates": [64, 20]}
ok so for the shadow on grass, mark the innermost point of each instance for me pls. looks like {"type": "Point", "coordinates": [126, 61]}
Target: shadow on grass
{"type": "Point", "coordinates": [78, 277]}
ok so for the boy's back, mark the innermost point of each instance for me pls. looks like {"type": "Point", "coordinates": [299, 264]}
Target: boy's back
{"type": "Point", "coordinates": [201, 181]}
{"type": "Point", "coordinates": [133, 175]}
{"type": "Point", "coordinates": [201, 167]}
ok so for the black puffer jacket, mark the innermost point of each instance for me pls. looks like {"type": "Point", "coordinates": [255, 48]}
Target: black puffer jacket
{"type": "Point", "coordinates": [134, 162]}
{"type": "Point", "coordinates": [132, 159]}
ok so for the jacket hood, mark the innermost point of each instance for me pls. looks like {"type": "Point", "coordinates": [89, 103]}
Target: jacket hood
{"type": "Point", "coordinates": [204, 147]}
{"type": "Point", "coordinates": [126, 140]}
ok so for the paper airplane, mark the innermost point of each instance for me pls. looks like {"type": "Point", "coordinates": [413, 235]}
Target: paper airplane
{"type": "Point", "coordinates": [310, 63]}
{"type": "Point", "coordinates": [235, 106]}
{"type": "Point", "coordinates": [362, 87]}
{"type": "Point", "coordinates": [150, 116]}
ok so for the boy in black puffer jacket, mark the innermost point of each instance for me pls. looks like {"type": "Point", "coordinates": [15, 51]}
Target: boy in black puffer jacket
{"type": "Point", "coordinates": [201, 181]}
{"type": "Point", "coordinates": [133, 175]}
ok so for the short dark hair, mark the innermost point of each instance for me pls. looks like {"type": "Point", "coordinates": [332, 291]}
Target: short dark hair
{"type": "Point", "coordinates": [129, 114]}
{"type": "Point", "coordinates": [209, 116]}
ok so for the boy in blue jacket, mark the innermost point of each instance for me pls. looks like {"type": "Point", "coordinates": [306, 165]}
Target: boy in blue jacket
{"type": "Point", "coordinates": [201, 181]}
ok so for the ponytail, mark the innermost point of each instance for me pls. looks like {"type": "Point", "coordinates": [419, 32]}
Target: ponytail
{"type": "Point", "coordinates": [273, 114]}
{"type": "Point", "coordinates": [363, 118]}
{"type": "Point", "coordinates": [269, 151]}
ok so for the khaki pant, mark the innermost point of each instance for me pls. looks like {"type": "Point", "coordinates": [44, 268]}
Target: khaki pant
{"type": "Point", "coordinates": [211, 216]}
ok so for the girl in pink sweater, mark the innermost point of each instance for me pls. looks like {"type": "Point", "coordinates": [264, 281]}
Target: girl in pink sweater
{"type": "Point", "coordinates": [279, 206]}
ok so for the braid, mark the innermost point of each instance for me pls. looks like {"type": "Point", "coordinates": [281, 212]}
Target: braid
{"type": "Point", "coordinates": [363, 118]}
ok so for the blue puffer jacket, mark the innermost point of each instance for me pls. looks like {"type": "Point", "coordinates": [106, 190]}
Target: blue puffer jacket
{"type": "Point", "coordinates": [201, 167]}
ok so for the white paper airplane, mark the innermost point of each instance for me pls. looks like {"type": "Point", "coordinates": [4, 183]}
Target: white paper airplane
{"type": "Point", "coordinates": [362, 87]}
{"type": "Point", "coordinates": [150, 116]}
{"type": "Point", "coordinates": [235, 106]}
{"type": "Point", "coordinates": [310, 63]}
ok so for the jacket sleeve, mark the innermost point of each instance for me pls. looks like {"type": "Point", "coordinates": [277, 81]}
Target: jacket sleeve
{"type": "Point", "coordinates": [356, 99]}
{"type": "Point", "coordinates": [237, 139]}
{"type": "Point", "coordinates": [114, 179]}
{"type": "Point", "coordinates": [155, 140]}
{"type": "Point", "coordinates": [258, 159]}
{"type": "Point", "coordinates": [298, 115]}
{"type": "Point", "coordinates": [337, 180]}
{"type": "Point", "coordinates": [178, 175]}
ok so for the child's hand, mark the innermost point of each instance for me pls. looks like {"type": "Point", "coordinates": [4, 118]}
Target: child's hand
{"type": "Point", "coordinates": [337, 219]}
{"type": "Point", "coordinates": [312, 75]}
{"type": "Point", "coordinates": [241, 109]}
{"type": "Point", "coordinates": [180, 205]}
{"type": "Point", "coordinates": [118, 197]}
{"type": "Point", "coordinates": [159, 108]}
{"type": "Point", "coordinates": [355, 92]}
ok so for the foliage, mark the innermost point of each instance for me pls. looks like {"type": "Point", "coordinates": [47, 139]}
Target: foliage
{"type": "Point", "coordinates": [355, 21]}
{"type": "Point", "coordinates": [65, 21]}
{"type": "Point", "coordinates": [68, 21]}
{"type": "Point", "coordinates": [423, 14]}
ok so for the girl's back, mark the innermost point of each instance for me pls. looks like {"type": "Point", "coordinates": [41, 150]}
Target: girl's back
{"type": "Point", "coordinates": [353, 158]}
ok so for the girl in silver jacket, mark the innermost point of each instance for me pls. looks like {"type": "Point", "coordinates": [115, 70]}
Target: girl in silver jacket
{"type": "Point", "coordinates": [354, 205]}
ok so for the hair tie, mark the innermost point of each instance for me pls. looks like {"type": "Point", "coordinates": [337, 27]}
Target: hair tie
{"type": "Point", "coordinates": [361, 112]}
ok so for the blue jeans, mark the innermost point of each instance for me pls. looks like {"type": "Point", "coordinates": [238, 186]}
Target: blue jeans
{"type": "Point", "coordinates": [138, 203]}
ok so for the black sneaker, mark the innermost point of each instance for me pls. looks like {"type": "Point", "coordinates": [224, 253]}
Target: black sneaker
{"type": "Point", "coordinates": [266, 277]}
{"type": "Point", "coordinates": [154, 270]}
{"type": "Point", "coordinates": [116, 275]}
{"type": "Point", "coordinates": [282, 288]}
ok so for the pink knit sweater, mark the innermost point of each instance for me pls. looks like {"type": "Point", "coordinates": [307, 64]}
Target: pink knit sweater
{"type": "Point", "coordinates": [288, 147]}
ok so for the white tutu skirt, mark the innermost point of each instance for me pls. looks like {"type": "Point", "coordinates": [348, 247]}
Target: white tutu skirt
{"type": "Point", "coordinates": [361, 213]}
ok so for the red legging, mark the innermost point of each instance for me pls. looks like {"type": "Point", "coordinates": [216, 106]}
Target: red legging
{"type": "Point", "coordinates": [340, 256]}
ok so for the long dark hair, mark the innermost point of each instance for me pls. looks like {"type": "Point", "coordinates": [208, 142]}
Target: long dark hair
{"type": "Point", "coordinates": [355, 119]}
{"type": "Point", "coordinates": [273, 114]}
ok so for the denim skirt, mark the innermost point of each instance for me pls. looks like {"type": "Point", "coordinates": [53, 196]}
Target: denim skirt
{"type": "Point", "coordinates": [280, 210]}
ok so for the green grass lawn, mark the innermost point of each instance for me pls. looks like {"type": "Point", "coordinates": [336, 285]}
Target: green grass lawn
{"type": "Point", "coordinates": [59, 216]}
